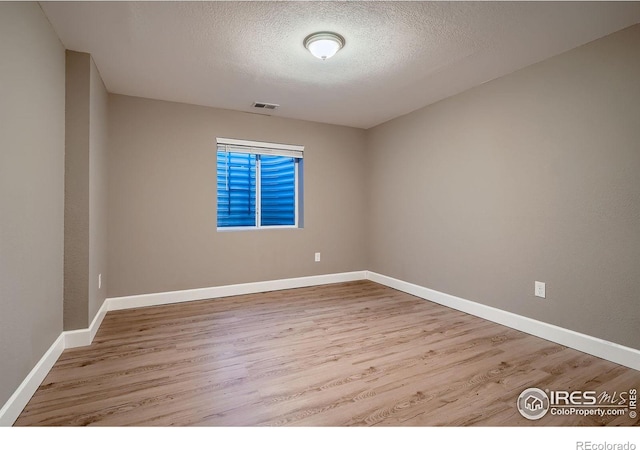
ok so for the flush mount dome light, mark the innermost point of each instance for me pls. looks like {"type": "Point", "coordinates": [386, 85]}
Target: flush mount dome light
{"type": "Point", "coordinates": [324, 45]}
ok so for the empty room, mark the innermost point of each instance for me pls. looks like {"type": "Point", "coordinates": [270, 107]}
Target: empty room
{"type": "Point", "coordinates": [320, 214]}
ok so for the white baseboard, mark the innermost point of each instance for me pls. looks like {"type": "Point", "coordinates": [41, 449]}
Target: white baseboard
{"type": "Point", "coordinates": [610, 351]}
{"type": "Point", "coordinates": [79, 338]}
{"type": "Point", "coordinates": [83, 337]}
{"type": "Point", "coordinates": [163, 298]}
{"type": "Point", "coordinates": [67, 339]}
{"type": "Point", "coordinates": [16, 403]}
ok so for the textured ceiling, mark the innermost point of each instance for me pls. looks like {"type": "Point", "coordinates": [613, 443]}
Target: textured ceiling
{"type": "Point", "coordinates": [398, 57]}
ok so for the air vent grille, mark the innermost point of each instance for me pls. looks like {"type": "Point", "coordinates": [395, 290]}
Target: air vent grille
{"type": "Point", "coordinates": [263, 105]}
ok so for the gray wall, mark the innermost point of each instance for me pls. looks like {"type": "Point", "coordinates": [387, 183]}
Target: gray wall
{"type": "Point", "coordinates": [32, 79]}
{"type": "Point", "coordinates": [534, 176]}
{"type": "Point", "coordinates": [162, 200]}
{"type": "Point", "coordinates": [85, 190]}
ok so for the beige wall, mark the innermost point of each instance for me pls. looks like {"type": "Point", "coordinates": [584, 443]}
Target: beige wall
{"type": "Point", "coordinates": [32, 78]}
{"type": "Point", "coordinates": [534, 176]}
{"type": "Point", "coordinates": [162, 200]}
{"type": "Point", "coordinates": [98, 151]}
{"type": "Point", "coordinates": [76, 202]}
{"type": "Point", "coordinates": [529, 177]}
{"type": "Point", "coordinates": [85, 190]}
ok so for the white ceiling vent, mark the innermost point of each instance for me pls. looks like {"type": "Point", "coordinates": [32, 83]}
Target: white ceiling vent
{"type": "Point", "coordinates": [263, 105]}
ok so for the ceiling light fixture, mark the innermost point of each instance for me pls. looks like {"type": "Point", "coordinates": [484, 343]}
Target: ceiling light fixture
{"type": "Point", "coordinates": [324, 45]}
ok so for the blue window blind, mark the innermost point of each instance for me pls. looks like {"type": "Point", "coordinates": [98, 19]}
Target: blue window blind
{"type": "Point", "coordinates": [257, 186]}
{"type": "Point", "coordinates": [236, 189]}
{"type": "Point", "coordinates": [278, 189]}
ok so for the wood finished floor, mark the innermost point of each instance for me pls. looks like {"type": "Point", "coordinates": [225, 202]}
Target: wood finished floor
{"type": "Point", "coordinates": [353, 353]}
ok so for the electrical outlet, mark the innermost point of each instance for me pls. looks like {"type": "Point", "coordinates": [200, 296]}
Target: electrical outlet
{"type": "Point", "coordinates": [317, 256]}
{"type": "Point", "coordinates": [99, 281]}
{"type": "Point", "coordinates": [540, 289]}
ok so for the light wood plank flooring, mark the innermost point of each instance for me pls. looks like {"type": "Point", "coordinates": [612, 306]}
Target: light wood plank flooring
{"type": "Point", "coordinates": [353, 353]}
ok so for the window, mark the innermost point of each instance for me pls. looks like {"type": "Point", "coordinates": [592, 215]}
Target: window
{"type": "Point", "coordinates": [258, 184]}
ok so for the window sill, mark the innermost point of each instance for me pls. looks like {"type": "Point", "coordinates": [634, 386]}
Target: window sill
{"type": "Point", "coordinates": [273, 227]}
